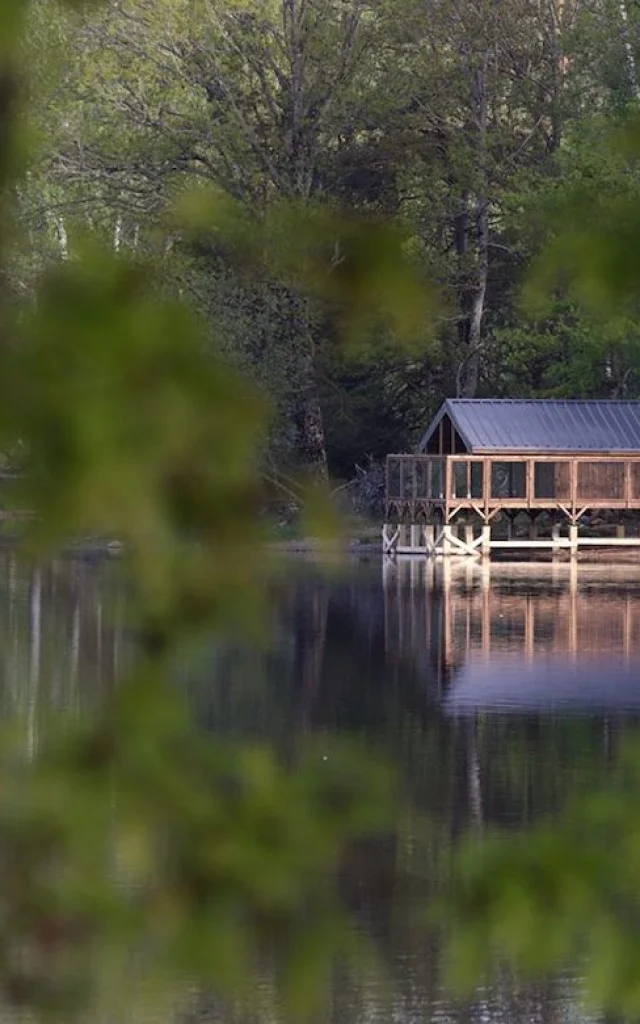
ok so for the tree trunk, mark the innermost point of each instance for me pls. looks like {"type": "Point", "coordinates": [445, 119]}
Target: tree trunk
{"type": "Point", "coordinates": [471, 372]}
{"type": "Point", "coordinates": [294, 30]}
{"type": "Point", "coordinates": [63, 240]}
{"type": "Point", "coordinates": [309, 417]}
{"type": "Point", "coordinates": [628, 50]}
{"type": "Point", "coordinates": [473, 311]}
{"type": "Point", "coordinates": [556, 13]}
{"type": "Point", "coordinates": [117, 234]}
{"type": "Point", "coordinates": [311, 423]}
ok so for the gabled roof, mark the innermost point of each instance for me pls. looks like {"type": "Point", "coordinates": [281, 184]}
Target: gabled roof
{"type": "Point", "coordinates": [552, 425]}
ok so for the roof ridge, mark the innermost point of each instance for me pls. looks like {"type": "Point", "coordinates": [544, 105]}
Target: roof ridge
{"type": "Point", "coordinates": [550, 401]}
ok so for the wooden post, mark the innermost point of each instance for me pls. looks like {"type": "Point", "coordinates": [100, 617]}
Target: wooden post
{"type": "Point", "coordinates": [416, 538]}
{"type": "Point", "coordinates": [389, 538]}
{"type": "Point", "coordinates": [486, 540]}
{"type": "Point", "coordinates": [620, 531]}
{"type": "Point", "coordinates": [468, 535]}
{"type": "Point", "coordinates": [447, 486]}
{"type": "Point", "coordinates": [530, 487]}
{"type": "Point", "coordinates": [627, 484]}
{"type": "Point", "coordinates": [555, 537]}
{"type": "Point", "coordinates": [447, 546]}
{"type": "Point", "coordinates": [414, 495]}
{"type": "Point", "coordinates": [573, 539]}
{"type": "Point", "coordinates": [486, 486]}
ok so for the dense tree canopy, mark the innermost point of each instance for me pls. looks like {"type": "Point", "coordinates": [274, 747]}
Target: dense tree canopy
{"type": "Point", "coordinates": [468, 123]}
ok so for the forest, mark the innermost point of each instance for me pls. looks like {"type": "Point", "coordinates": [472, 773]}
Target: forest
{"type": "Point", "coordinates": [469, 126]}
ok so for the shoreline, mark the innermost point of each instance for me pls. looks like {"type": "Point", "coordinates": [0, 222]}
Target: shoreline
{"type": "Point", "coordinates": [310, 547]}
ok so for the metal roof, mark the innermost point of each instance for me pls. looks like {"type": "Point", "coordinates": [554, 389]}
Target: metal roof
{"type": "Point", "coordinates": [553, 425]}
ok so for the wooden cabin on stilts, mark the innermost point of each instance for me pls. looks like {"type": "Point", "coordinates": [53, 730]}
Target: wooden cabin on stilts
{"type": "Point", "coordinates": [484, 465]}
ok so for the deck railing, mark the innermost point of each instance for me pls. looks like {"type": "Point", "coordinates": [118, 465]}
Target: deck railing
{"type": "Point", "coordinates": [416, 485]}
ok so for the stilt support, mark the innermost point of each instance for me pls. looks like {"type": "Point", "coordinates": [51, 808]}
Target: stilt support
{"type": "Point", "coordinates": [447, 540]}
{"type": "Point", "coordinates": [465, 541]}
{"type": "Point", "coordinates": [486, 540]}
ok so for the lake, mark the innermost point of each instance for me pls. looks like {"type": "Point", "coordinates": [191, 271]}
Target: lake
{"type": "Point", "coordinates": [494, 690]}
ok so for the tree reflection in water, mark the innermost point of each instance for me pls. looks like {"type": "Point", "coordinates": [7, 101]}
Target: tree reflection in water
{"type": "Point", "coordinates": [375, 655]}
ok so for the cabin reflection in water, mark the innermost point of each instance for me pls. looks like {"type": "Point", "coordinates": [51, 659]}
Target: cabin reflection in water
{"type": "Point", "coordinates": [517, 637]}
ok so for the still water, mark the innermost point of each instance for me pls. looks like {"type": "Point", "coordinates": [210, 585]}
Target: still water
{"type": "Point", "coordinates": [495, 692]}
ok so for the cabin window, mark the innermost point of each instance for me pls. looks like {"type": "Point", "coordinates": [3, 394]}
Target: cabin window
{"type": "Point", "coordinates": [436, 488]}
{"type": "Point", "coordinates": [394, 478]}
{"type": "Point", "coordinates": [551, 480]}
{"type": "Point", "coordinates": [406, 472]}
{"type": "Point", "coordinates": [467, 479]}
{"type": "Point", "coordinates": [508, 480]}
{"type": "Point", "coordinates": [477, 479]}
{"type": "Point", "coordinates": [460, 479]}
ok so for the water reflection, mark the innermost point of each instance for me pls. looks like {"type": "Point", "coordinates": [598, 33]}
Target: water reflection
{"type": "Point", "coordinates": [395, 655]}
{"type": "Point", "coordinates": [61, 638]}
{"type": "Point", "coordinates": [461, 677]}
{"type": "Point", "coordinates": [553, 624]}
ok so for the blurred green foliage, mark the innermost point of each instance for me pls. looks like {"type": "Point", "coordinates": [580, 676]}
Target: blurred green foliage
{"type": "Point", "coordinates": [137, 856]}
{"type": "Point", "coordinates": [360, 268]}
{"type": "Point", "coordinates": [132, 431]}
{"type": "Point", "coordinates": [135, 853]}
{"type": "Point", "coordinates": [590, 252]}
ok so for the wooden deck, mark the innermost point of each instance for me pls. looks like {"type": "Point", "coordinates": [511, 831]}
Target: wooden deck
{"type": "Point", "coordinates": [428, 495]}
